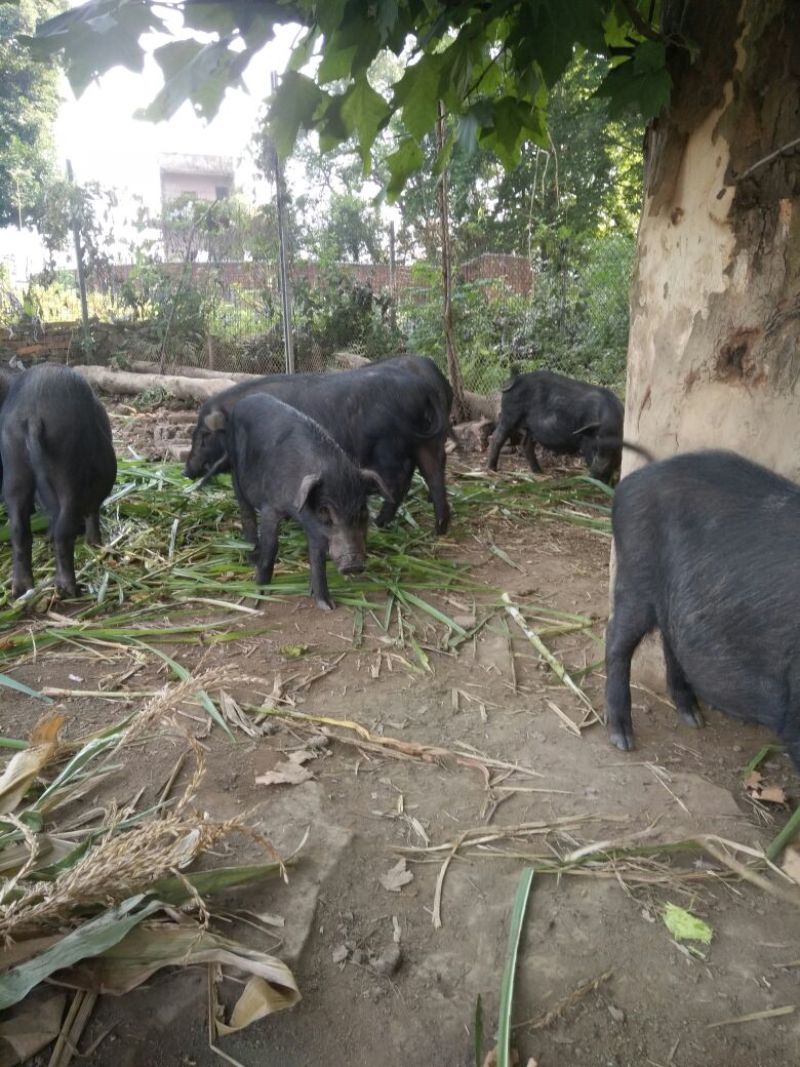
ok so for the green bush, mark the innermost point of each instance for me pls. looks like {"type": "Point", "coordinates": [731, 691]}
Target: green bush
{"type": "Point", "coordinates": [575, 320]}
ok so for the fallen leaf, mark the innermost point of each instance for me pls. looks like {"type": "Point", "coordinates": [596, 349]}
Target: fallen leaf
{"type": "Point", "coordinates": [773, 794]}
{"type": "Point", "coordinates": [285, 773]}
{"type": "Point", "coordinates": [753, 781]}
{"type": "Point", "coordinates": [25, 766]}
{"type": "Point", "coordinates": [293, 651]}
{"type": "Point", "coordinates": [768, 794]}
{"type": "Point", "coordinates": [686, 927]}
{"type": "Point", "coordinates": [30, 1028]}
{"type": "Point", "coordinates": [491, 1058]}
{"type": "Point", "coordinates": [397, 877]}
{"type": "Point", "coordinates": [340, 953]}
{"type": "Point", "coordinates": [302, 755]}
{"type": "Point", "coordinates": [791, 863]}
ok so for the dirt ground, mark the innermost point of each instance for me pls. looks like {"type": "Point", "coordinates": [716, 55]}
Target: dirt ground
{"type": "Point", "coordinates": [382, 985]}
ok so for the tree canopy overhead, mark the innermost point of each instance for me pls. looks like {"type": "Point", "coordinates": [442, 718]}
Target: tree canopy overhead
{"type": "Point", "coordinates": [491, 63]}
{"type": "Point", "coordinates": [28, 106]}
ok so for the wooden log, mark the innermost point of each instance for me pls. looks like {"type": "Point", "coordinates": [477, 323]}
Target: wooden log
{"type": "Point", "coordinates": [349, 360]}
{"type": "Point", "coordinates": [141, 367]}
{"type": "Point", "coordinates": [478, 406]}
{"type": "Point", "coordinates": [117, 382]}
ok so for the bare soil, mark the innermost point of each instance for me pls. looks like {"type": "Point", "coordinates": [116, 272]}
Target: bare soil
{"type": "Point", "coordinates": [657, 1004]}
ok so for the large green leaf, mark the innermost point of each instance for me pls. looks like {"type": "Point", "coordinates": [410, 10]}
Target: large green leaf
{"type": "Point", "coordinates": [90, 939]}
{"type": "Point", "coordinates": [198, 72]}
{"type": "Point", "coordinates": [364, 112]}
{"type": "Point", "coordinates": [403, 162]}
{"type": "Point", "coordinates": [20, 687]}
{"type": "Point", "coordinates": [642, 81]}
{"type": "Point", "coordinates": [293, 108]}
{"type": "Point", "coordinates": [95, 37]}
{"type": "Point", "coordinates": [418, 93]}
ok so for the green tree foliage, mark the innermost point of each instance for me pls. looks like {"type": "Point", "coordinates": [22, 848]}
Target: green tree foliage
{"type": "Point", "coordinates": [28, 106]}
{"type": "Point", "coordinates": [492, 64]}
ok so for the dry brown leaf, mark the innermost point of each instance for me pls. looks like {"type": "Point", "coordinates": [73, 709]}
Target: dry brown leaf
{"type": "Point", "coordinates": [30, 1027]}
{"type": "Point", "coordinates": [157, 944]}
{"type": "Point", "coordinates": [491, 1059]}
{"type": "Point", "coordinates": [25, 766]}
{"type": "Point", "coordinates": [286, 773]}
{"type": "Point", "coordinates": [258, 1000]}
{"type": "Point", "coordinates": [397, 877]}
{"type": "Point", "coordinates": [791, 863]}
{"type": "Point", "coordinates": [752, 782]}
{"type": "Point", "coordinates": [768, 794]}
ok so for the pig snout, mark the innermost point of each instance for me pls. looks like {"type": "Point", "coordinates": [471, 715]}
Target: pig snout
{"type": "Point", "coordinates": [349, 564]}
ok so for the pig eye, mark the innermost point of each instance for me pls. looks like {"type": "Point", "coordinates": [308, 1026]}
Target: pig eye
{"type": "Point", "coordinates": [324, 514]}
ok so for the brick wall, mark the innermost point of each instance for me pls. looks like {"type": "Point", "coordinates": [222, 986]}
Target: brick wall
{"type": "Point", "coordinates": [515, 271]}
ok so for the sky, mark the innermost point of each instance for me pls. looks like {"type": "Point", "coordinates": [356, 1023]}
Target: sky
{"type": "Point", "coordinates": [106, 144]}
{"type": "Point", "coordinates": [98, 133]}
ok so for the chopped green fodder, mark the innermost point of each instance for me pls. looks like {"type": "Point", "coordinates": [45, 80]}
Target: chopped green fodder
{"type": "Point", "coordinates": [169, 544]}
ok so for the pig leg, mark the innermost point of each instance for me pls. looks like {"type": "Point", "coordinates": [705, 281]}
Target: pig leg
{"type": "Point", "coordinates": [248, 517]}
{"type": "Point", "coordinates": [791, 737]}
{"type": "Point", "coordinates": [92, 533]}
{"type": "Point", "coordinates": [431, 459]}
{"type": "Point", "coordinates": [19, 503]}
{"type": "Point", "coordinates": [503, 431]}
{"type": "Point", "coordinates": [529, 448]}
{"type": "Point", "coordinates": [629, 623]}
{"type": "Point", "coordinates": [319, 579]}
{"type": "Point", "coordinates": [266, 543]}
{"type": "Point", "coordinates": [680, 690]}
{"type": "Point", "coordinates": [398, 487]}
{"type": "Point", "coordinates": [65, 531]}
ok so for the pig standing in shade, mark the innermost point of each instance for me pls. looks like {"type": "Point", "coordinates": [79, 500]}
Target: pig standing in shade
{"type": "Point", "coordinates": [55, 445]}
{"type": "Point", "coordinates": [707, 554]}
{"type": "Point", "coordinates": [564, 415]}
{"type": "Point", "coordinates": [284, 465]}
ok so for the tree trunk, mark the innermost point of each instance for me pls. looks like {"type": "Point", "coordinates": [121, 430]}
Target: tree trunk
{"type": "Point", "coordinates": [453, 366]}
{"type": "Point", "coordinates": [714, 359]}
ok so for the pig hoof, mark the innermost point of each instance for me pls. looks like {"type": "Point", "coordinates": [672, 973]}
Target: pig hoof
{"type": "Point", "coordinates": [692, 717]}
{"type": "Point", "coordinates": [67, 592]}
{"type": "Point", "coordinates": [20, 589]}
{"type": "Point", "coordinates": [323, 605]}
{"type": "Point", "coordinates": [442, 526]}
{"type": "Point", "coordinates": [622, 739]}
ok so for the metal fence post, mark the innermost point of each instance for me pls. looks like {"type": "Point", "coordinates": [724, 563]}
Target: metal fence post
{"type": "Point", "coordinates": [286, 297]}
{"type": "Point", "coordinates": [76, 236]}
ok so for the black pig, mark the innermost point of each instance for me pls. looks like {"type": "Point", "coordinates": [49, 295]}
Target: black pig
{"type": "Point", "coordinates": [284, 465]}
{"type": "Point", "coordinates": [391, 417]}
{"type": "Point", "coordinates": [55, 445]}
{"type": "Point", "coordinates": [563, 415]}
{"type": "Point", "coordinates": [707, 553]}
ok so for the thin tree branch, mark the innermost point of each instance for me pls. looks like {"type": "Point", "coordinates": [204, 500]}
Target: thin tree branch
{"type": "Point", "coordinates": [767, 159]}
{"type": "Point", "coordinates": [640, 25]}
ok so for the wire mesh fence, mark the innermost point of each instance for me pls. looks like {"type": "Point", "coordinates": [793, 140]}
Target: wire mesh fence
{"type": "Point", "coordinates": [567, 312]}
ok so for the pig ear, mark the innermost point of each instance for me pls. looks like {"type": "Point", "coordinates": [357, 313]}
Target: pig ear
{"type": "Point", "coordinates": [215, 420]}
{"type": "Point", "coordinates": [373, 478]}
{"type": "Point", "coordinates": [307, 484]}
